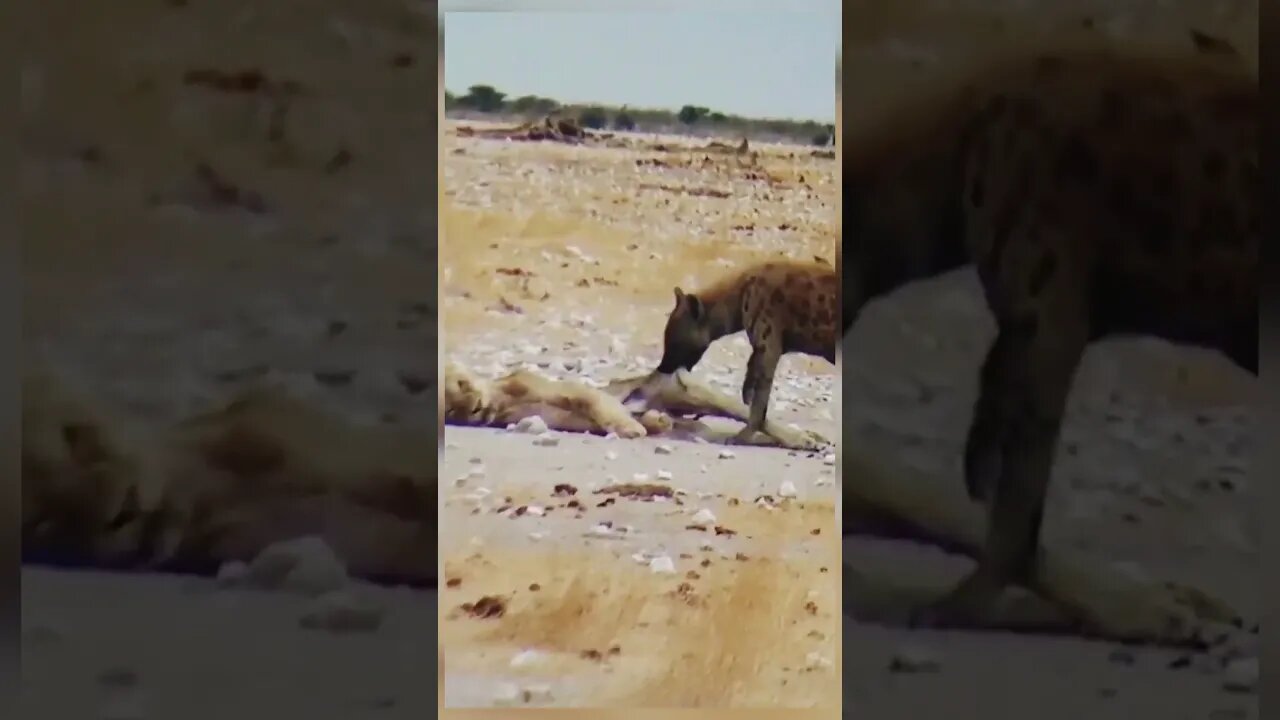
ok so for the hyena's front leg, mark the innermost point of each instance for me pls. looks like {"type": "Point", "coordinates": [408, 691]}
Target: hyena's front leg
{"type": "Point", "coordinates": [1026, 407]}
{"type": "Point", "coordinates": [758, 383]}
{"type": "Point", "coordinates": [988, 428]}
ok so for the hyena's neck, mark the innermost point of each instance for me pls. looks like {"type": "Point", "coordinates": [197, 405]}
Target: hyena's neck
{"type": "Point", "coordinates": [724, 310]}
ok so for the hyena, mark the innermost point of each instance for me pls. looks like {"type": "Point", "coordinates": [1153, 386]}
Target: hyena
{"type": "Point", "coordinates": [1097, 194]}
{"type": "Point", "coordinates": [784, 307]}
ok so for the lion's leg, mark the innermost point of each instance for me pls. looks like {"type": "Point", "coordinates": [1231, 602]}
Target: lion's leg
{"type": "Point", "coordinates": [611, 416]}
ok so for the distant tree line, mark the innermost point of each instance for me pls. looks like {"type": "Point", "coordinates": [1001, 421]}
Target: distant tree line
{"type": "Point", "coordinates": [486, 100]}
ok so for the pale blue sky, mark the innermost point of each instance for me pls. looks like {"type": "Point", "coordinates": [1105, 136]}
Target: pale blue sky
{"type": "Point", "coordinates": [752, 61]}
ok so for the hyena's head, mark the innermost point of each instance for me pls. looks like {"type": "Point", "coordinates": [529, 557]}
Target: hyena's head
{"type": "Point", "coordinates": [688, 334]}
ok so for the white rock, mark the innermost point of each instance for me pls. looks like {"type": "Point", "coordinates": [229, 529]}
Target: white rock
{"type": "Point", "coordinates": [704, 517]}
{"type": "Point", "coordinates": [305, 565]}
{"type": "Point", "coordinates": [665, 475]}
{"type": "Point", "coordinates": [914, 660]}
{"type": "Point", "coordinates": [829, 459]}
{"type": "Point", "coordinates": [1241, 675]}
{"type": "Point", "coordinates": [662, 564]}
{"type": "Point", "coordinates": [536, 694]}
{"type": "Point", "coordinates": [611, 455]}
{"type": "Point", "coordinates": [546, 441]}
{"type": "Point", "coordinates": [507, 694]}
{"type": "Point", "coordinates": [533, 425]}
{"type": "Point", "coordinates": [727, 454]}
{"type": "Point", "coordinates": [602, 530]}
{"type": "Point", "coordinates": [232, 573]}
{"type": "Point", "coordinates": [526, 658]}
{"type": "Point", "coordinates": [787, 489]}
{"type": "Point", "coordinates": [640, 558]}
{"type": "Point", "coordinates": [342, 612]}
{"type": "Point", "coordinates": [535, 510]}
{"type": "Point", "coordinates": [815, 661]}
{"type": "Point", "coordinates": [640, 477]}
{"type": "Point", "coordinates": [663, 449]}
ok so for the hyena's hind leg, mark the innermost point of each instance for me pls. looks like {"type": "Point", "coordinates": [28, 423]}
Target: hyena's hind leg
{"type": "Point", "coordinates": [1015, 439]}
{"type": "Point", "coordinates": [757, 385]}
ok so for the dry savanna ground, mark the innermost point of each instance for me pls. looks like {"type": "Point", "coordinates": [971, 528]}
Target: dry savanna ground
{"type": "Point", "coordinates": [564, 257]}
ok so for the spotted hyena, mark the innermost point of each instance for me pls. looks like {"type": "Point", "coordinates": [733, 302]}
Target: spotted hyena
{"type": "Point", "coordinates": [784, 307]}
{"type": "Point", "coordinates": [1098, 194]}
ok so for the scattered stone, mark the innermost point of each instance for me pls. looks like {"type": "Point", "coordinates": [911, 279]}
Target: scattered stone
{"type": "Point", "coordinates": [602, 531]}
{"type": "Point", "coordinates": [665, 475]}
{"type": "Point", "coordinates": [535, 510]}
{"type": "Point", "coordinates": [787, 489]}
{"type": "Point", "coordinates": [232, 574]}
{"type": "Point", "coordinates": [536, 694]}
{"type": "Point", "coordinates": [704, 517]}
{"type": "Point", "coordinates": [727, 454]}
{"type": "Point", "coordinates": [610, 455]}
{"type": "Point", "coordinates": [489, 606]}
{"type": "Point", "coordinates": [663, 449]}
{"type": "Point", "coordinates": [537, 536]}
{"type": "Point", "coordinates": [662, 564]}
{"type": "Point", "coordinates": [815, 661]}
{"type": "Point", "coordinates": [526, 658]}
{"type": "Point", "coordinates": [546, 441]}
{"type": "Point", "coordinates": [1241, 676]}
{"type": "Point", "coordinates": [342, 612]}
{"type": "Point", "coordinates": [564, 490]}
{"type": "Point", "coordinates": [305, 565]}
{"type": "Point", "coordinates": [829, 459]}
{"type": "Point", "coordinates": [1122, 657]}
{"type": "Point", "coordinates": [506, 694]}
{"type": "Point", "coordinates": [532, 425]}
{"type": "Point", "coordinates": [914, 660]}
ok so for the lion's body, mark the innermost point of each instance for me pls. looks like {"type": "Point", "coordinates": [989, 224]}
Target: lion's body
{"type": "Point", "coordinates": [562, 404]}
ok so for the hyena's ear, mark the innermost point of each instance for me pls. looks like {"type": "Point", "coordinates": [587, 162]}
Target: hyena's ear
{"type": "Point", "coordinates": [679, 296]}
{"type": "Point", "coordinates": [695, 306]}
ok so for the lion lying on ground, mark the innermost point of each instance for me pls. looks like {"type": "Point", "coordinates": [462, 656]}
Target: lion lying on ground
{"type": "Point", "coordinates": [562, 404]}
{"type": "Point", "coordinates": [266, 467]}
{"type": "Point", "coordinates": [102, 491]}
{"type": "Point", "coordinates": [652, 404]}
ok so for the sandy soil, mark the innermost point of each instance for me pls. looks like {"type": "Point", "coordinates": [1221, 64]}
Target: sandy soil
{"type": "Point", "coordinates": [564, 258]}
